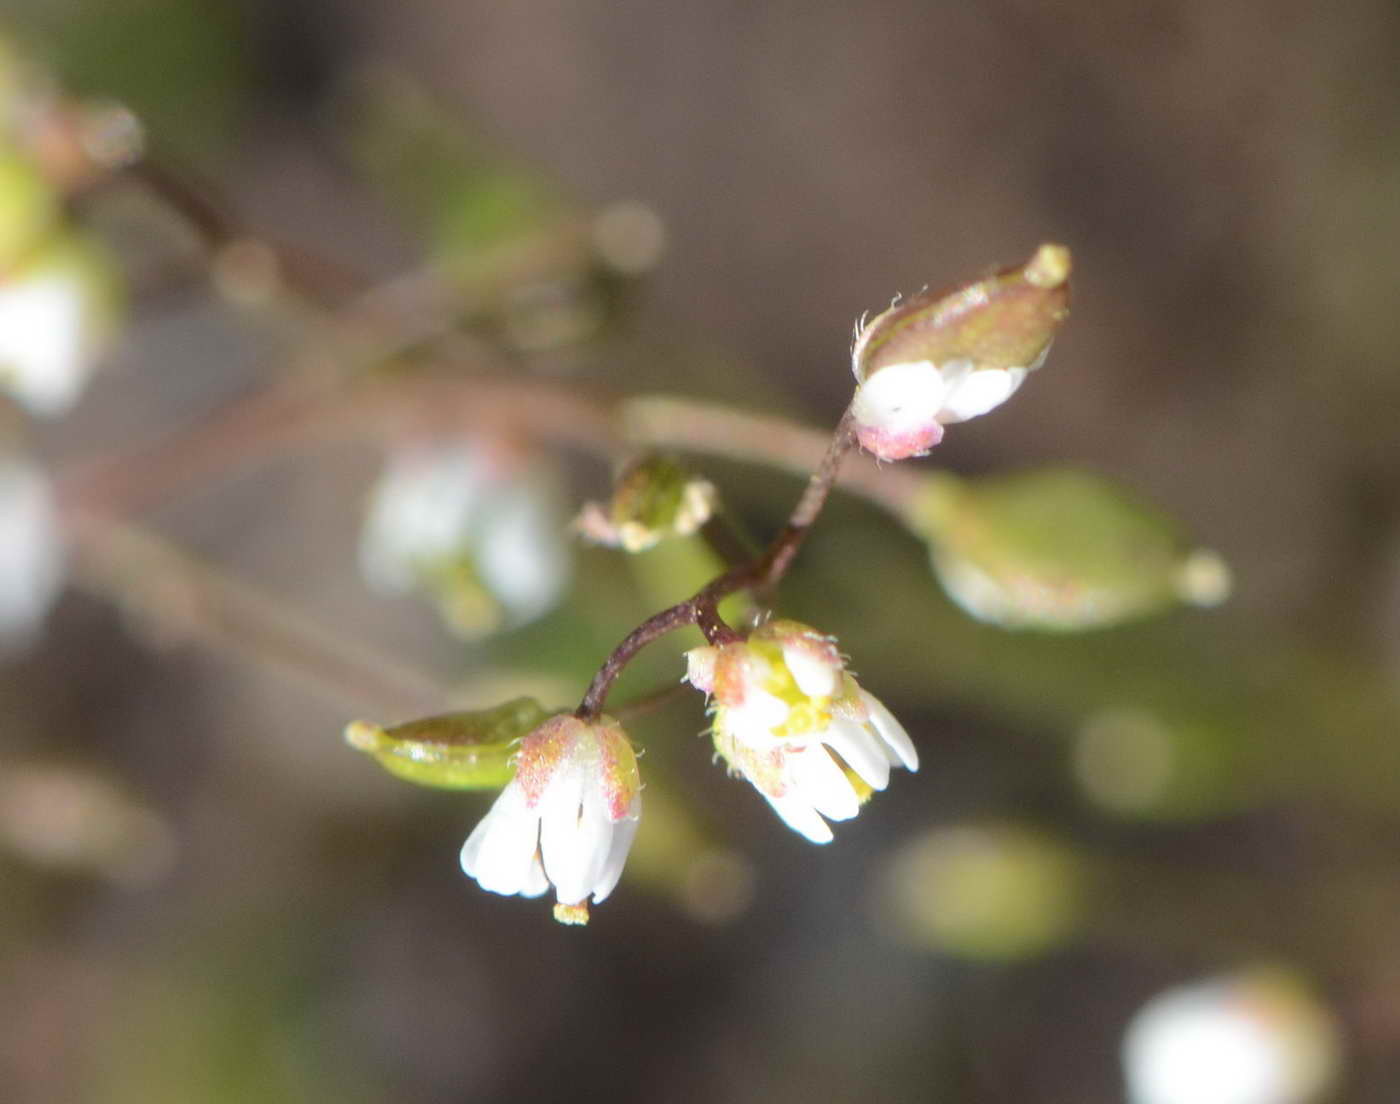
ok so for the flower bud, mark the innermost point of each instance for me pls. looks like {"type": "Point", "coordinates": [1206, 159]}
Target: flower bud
{"type": "Point", "coordinates": [1059, 549]}
{"type": "Point", "coordinates": [987, 891]}
{"type": "Point", "coordinates": [455, 751]}
{"type": "Point", "coordinates": [655, 498]}
{"type": "Point", "coordinates": [943, 357]}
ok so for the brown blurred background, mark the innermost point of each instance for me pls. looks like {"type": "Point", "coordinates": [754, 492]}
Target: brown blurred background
{"type": "Point", "coordinates": [1228, 176]}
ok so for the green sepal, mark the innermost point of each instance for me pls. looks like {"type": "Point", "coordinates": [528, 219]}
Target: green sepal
{"type": "Point", "coordinates": [1006, 320]}
{"type": "Point", "coordinates": [1058, 549]}
{"type": "Point", "coordinates": [28, 209]}
{"type": "Point", "coordinates": [454, 751]}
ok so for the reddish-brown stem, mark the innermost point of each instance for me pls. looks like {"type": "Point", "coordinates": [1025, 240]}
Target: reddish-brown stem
{"type": "Point", "coordinates": [762, 574]}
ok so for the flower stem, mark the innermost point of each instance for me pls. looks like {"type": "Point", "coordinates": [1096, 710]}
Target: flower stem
{"type": "Point", "coordinates": [761, 574]}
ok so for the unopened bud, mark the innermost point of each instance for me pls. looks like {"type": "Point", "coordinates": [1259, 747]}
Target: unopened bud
{"type": "Point", "coordinates": [944, 357]}
{"type": "Point", "coordinates": [655, 498]}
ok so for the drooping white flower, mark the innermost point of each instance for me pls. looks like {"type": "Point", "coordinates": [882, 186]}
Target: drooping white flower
{"type": "Point", "coordinates": [478, 529]}
{"type": "Point", "coordinates": [790, 719]}
{"type": "Point", "coordinates": [1256, 1037]}
{"type": "Point", "coordinates": [31, 550]}
{"type": "Point", "coordinates": [56, 315]}
{"type": "Point", "coordinates": [566, 819]}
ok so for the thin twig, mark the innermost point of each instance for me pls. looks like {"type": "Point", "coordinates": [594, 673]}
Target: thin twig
{"type": "Point", "coordinates": [763, 573]}
{"type": "Point", "coordinates": [180, 593]}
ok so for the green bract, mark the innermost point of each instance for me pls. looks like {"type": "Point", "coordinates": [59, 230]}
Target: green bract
{"type": "Point", "coordinates": [1006, 320]}
{"type": "Point", "coordinates": [454, 751]}
{"type": "Point", "coordinates": [1058, 549]}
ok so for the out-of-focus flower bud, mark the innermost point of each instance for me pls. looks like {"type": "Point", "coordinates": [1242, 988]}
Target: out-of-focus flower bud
{"type": "Point", "coordinates": [629, 237]}
{"type": "Point", "coordinates": [71, 820]}
{"type": "Point", "coordinates": [1058, 548]}
{"type": "Point", "coordinates": [1255, 1037]}
{"type": "Point", "coordinates": [28, 208]}
{"type": "Point", "coordinates": [943, 357]}
{"type": "Point", "coordinates": [1171, 761]}
{"type": "Point", "coordinates": [31, 550]}
{"type": "Point", "coordinates": [567, 819]}
{"type": "Point", "coordinates": [994, 891]}
{"type": "Point", "coordinates": [655, 498]}
{"type": "Point", "coordinates": [479, 530]}
{"type": "Point", "coordinates": [791, 720]}
{"type": "Point", "coordinates": [454, 751]}
{"type": "Point", "coordinates": [58, 313]}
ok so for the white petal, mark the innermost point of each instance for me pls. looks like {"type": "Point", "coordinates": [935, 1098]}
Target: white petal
{"type": "Point", "coordinates": [537, 881]}
{"type": "Point", "coordinates": [900, 397]}
{"type": "Point", "coordinates": [521, 551]}
{"type": "Point", "coordinates": [421, 509]}
{"type": "Point", "coordinates": [700, 667]}
{"type": "Point", "coordinates": [753, 721]}
{"type": "Point", "coordinates": [799, 815]}
{"type": "Point", "coordinates": [43, 356]}
{"type": "Point", "coordinates": [891, 731]}
{"type": "Point", "coordinates": [815, 677]}
{"type": "Point", "coordinates": [574, 843]}
{"type": "Point", "coordinates": [862, 751]}
{"type": "Point", "coordinates": [980, 392]}
{"type": "Point", "coordinates": [824, 784]}
{"type": "Point", "coordinates": [31, 550]}
{"type": "Point", "coordinates": [623, 833]}
{"type": "Point", "coordinates": [500, 851]}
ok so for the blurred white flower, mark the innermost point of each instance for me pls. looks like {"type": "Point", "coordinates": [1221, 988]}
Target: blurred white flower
{"type": "Point", "coordinates": [56, 318]}
{"type": "Point", "coordinates": [480, 531]}
{"type": "Point", "coordinates": [67, 818]}
{"type": "Point", "coordinates": [566, 819]}
{"type": "Point", "coordinates": [31, 550]}
{"type": "Point", "coordinates": [1256, 1037]}
{"type": "Point", "coordinates": [794, 723]}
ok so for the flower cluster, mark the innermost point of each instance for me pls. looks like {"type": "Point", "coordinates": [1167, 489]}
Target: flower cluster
{"type": "Point", "coordinates": [566, 819]}
{"type": "Point", "coordinates": [791, 720]}
{"type": "Point", "coordinates": [787, 716]}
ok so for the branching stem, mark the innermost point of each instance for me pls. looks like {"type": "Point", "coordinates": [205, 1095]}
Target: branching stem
{"type": "Point", "coordinates": [759, 575]}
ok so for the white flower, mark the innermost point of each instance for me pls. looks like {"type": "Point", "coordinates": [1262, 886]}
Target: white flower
{"type": "Point", "coordinates": [55, 321]}
{"type": "Point", "coordinates": [31, 550]}
{"type": "Point", "coordinates": [478, 529]}
{"type": "Point", "coordinates": [1256, 1037]}
{"type": "Point", "coordinates": [566, 819]}
{"type": "Point", "coordinates": [794, 723]}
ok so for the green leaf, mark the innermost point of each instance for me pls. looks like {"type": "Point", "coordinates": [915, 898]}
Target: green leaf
{"type": "Point", "coordinates": [454, 751]}
{"type": "Point", "coordinates": [1059, 549]}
